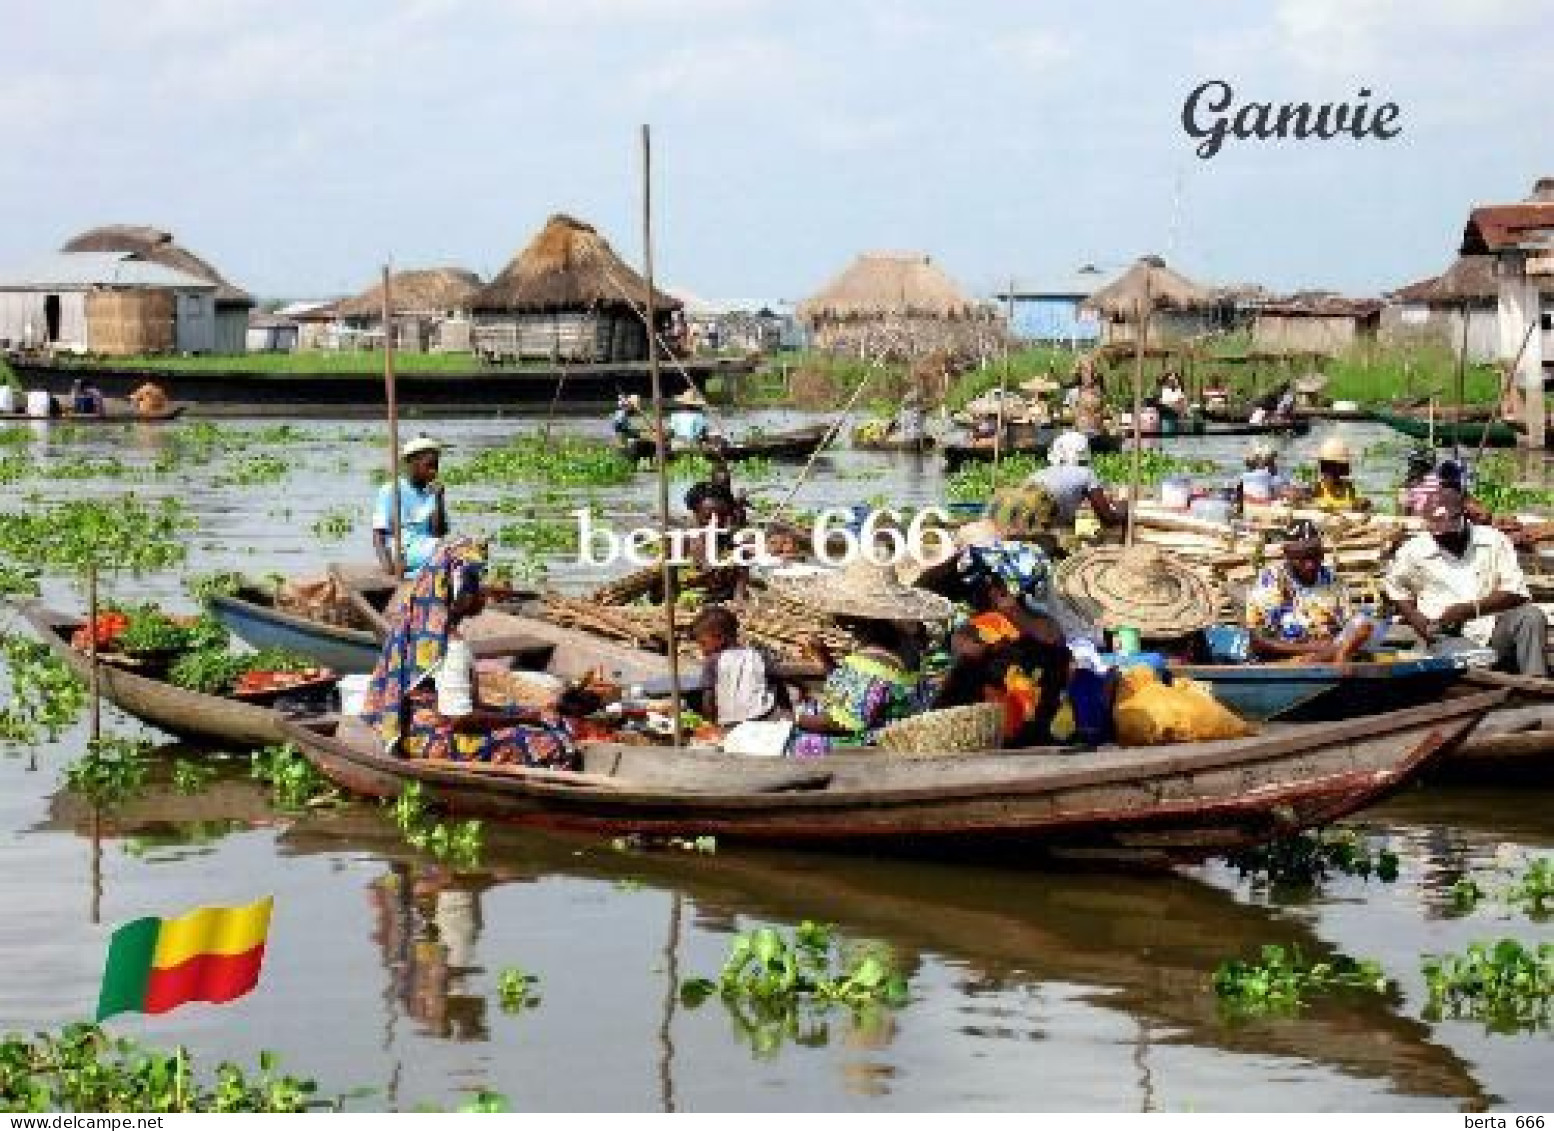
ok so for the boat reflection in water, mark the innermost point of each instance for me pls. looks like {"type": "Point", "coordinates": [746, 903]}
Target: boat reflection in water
{"type": "Point", "coordinates": [993, 954]}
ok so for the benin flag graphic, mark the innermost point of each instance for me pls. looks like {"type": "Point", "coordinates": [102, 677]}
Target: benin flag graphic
{"type": "Point", "coordinates": [211, 954]}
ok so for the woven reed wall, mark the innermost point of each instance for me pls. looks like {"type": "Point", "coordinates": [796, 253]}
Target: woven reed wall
{"type": "Point", "coordinates": [130, 321]}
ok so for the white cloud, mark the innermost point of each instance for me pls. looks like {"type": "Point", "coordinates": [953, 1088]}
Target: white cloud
{"type": "Point", "coordinates": [1038, 50]}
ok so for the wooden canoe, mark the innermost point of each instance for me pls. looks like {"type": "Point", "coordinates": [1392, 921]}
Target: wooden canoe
{"type": "Point", "coordinates": [911, 447]}
{"type": "Point", "coordinates": [957, 455]}
{"type": "Point", "coordinates": [167, 416]}
{"type": "Point", "coordinates": [798, 443]}
{"type": "Point", "coordinates": [176, 710]}
{"type": "Point", "coordinates": [1446, 432]}
{"type": "Point", "coordinates": [250, 614]}
{"type": "Point", "coordinates": [1189, 800]}
{"type": "Point", "coordinates": [1325, 692]}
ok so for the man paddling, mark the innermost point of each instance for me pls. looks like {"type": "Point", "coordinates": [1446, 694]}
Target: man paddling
{"type": "Point", "coordinates": [423, 511]}
{"type": "Point", "coordinates": [1459, 584]}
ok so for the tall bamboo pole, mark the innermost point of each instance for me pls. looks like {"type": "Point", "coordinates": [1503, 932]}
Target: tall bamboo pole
{"type": "Point", "coordinates": [662, 438]}
{"type": "Point", "coordinates": [96, 731]}
{"type": "Point", "coordinates": [1462, 380]}
{"type": "Point", "coordinates": [1003, 383]}
{"type": "Point", "coordinates": [1136, 472]}
{"type": "Point", "coordinates": [391, 393]}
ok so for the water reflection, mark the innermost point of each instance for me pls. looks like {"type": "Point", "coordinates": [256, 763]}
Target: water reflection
{"type": "Point", "coordinates": [426, 927]}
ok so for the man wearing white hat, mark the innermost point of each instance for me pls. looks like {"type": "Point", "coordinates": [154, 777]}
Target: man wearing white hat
{"type": "Point", "coordinates": [423, 512]}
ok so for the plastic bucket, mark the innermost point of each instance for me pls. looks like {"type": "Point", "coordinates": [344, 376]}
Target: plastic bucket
{"type": "Point", "coordinates": [1176, 492]}
{"type": "Point", "coordinates": [7, 398]}
{"type": "Point", "coordinates": [38, 404]}
{"type": "Point", "coordinates": [353, 693]}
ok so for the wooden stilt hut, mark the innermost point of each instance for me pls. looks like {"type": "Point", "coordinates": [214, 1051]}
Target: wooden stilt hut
{"type": "Point", "coordinates": [1181, 307]}
{"type": "Point", "coordinates": [567, 297]}
{"type": "Point", "coordinates": [900, 305]}
{"type": "Point", "coordinates": [428, 304]}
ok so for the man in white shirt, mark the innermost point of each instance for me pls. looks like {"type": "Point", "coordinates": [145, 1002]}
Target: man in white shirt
{"type": "Point", "coordinates": [1462, 580]}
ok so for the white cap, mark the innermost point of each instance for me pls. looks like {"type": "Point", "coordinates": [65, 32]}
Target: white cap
{"type": "Point", "coordinates": [1069, 448]}
{"type": "Point", "coordinates": [418, 445]}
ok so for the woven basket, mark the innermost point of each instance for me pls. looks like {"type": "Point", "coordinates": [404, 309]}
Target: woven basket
{"type": "Point", "coordinates": [954, 730]}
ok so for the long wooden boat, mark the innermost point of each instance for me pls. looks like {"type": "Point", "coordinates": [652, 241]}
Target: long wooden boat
{"type": "Point", "coordinates": [1446, 432]}
{"type": "Point", "coordinates": [1325, 692]}
{"type": "Point", "coordinates": [912, 447]}
{"type": "Point", "coordinates": [251, 615]}
{"type": "Point", "coordinates": [957, 455]}
{"type": "Point", "coordinates": [176, 710]}
{"type": "Point", "coordinates": [482, 390]}
{"type": "Point", "coordinates": [798, 443]}
{"type": "Point", "coordinates": [167, 416]}
{"type": "Point", "coordinates": [1188, 800]}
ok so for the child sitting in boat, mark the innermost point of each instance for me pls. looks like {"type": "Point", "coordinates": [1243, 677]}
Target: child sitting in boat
{"type": "Point", "coordinates": [739, 683]}
{"type": "Point", "coordinates": [877, 684]}
{"type": "Point", "coordinates": [1335, 489]}
{"type": "Point", "coordinates": [422, 698]}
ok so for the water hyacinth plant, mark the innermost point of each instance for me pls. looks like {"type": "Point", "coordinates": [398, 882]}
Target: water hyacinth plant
{"type": "Point", "coordinates": [1283, 981]}
{"type": "Point", "coordinates": [1505, 984]}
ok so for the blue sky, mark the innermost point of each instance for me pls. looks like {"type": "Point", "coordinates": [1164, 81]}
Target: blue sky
{"type": "Point", "coordinates": [297, 145]}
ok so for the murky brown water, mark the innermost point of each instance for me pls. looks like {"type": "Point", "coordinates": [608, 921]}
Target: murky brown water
{"type": "Point", "coordinates": [1028, 989]}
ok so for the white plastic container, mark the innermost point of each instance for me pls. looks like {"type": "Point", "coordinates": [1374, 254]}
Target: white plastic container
{"type": "Point", "coordinates": [1176, 492]}
{"type": "Point", "coordinates": [353, 693]}
{"type": "Point", "coordinates": [7, 398]}
{"type": "Point", "coordinates": [38, 404]}
{"type": "Point", "coordinates": [1211, 510]}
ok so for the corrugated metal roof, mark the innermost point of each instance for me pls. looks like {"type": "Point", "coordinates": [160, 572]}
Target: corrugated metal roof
{"type": "Point", "coordinates": [74, 270]}
{"type": "Point", "coordinates": [1077, 284]}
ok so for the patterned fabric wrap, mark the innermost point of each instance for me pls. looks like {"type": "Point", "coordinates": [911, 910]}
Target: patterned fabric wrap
{"type": "Point", "coordinates": [398, 702]}
{"type": "Point", "coordinates": [1025, 570]}
{"type": "Point", "coordinates": [1014, 689]}
{"type": "Point", "coordinates": [1279, 607]}
{"type": "Point", "coordinates": [863, 693]}
{"type": "Point", "coordinates": [1021, 512]}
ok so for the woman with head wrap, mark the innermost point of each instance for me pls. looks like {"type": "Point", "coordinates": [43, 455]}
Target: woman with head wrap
{"type": "Point", "coordinates": [1262, 482]}
{"type": "Point", "coordinates": [1011, 652]}
{"type": "Point", "coordinates": [1299, 608]}
{"type": "Point", "coordinates": [1070, 482]}
{"type": "Point", "coordinates": [422, 698]}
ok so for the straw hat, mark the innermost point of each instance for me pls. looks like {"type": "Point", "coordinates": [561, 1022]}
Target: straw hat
{"type": "Point", "coordinates": [691, 396]}
{"type": "Point", "coordinates": [418, 445]}
{"type": "Point", "coordinates": [955, 730]}
{"type": "Point", "coordinates": [1334, 450]}
{"type": "Point", "coordinates": [864, 589]}
{"type": "Point", "coordinates": [1140, 587]}
{"type": "Point", "coordinates": [1040, 385]}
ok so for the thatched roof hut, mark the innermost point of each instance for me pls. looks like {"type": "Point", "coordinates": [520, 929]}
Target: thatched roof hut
{"type": "Point", "coordinates": [884, 284]}
{"type": "Point", "coordinates": [156, 246]}
{"type": "Point", "coordinates": [1470, 279]}
{"type": "Point", "coordinates": [568, 266]}
{"type": "Point", "coordinates": [431, 291]}
{"type": "Point", "coordinates": [1167, 290]}
{"type": "Point", "coordinates": [567, 297]}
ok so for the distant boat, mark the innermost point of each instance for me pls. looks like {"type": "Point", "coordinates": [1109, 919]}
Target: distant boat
{"type": "Point", "coordinates": [1449, 432]}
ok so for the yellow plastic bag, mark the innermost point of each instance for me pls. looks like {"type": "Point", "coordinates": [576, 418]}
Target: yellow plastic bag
{"type": "Point", "coordinates": [1148, 712]}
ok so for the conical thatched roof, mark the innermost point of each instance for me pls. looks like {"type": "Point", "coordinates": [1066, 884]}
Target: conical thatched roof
{"type": "Point", "coordinates": [568, 266]}
{"type": "Point", "coordinates": [1167, 290]}
{"type": "Point", "coordinates": [888, 284]}
{"type": "Point", "coordinates": [156, 246]}
{"type": "Point", "coordinates": [415, 292]}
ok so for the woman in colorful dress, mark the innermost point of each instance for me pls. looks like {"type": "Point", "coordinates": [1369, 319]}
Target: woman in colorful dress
{"type": "Point", "coordinates": [1012, 651]}
{"type": "Point", "coordinates": [422, 699]}
{"type": "Point", "coordinates": [1299, 608]}
{"type": "Point", "coordinates": [879, 683]}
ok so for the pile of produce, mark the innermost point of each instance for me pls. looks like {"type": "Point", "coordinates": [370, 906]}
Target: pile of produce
{"type": "Point", "coordinates": [872, 431]}
{"type": "Point", "coordinates": [195, 651]}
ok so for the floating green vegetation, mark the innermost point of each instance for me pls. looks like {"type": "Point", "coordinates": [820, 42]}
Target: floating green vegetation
{"type": "Point", "coordinates": [1307, 858]}
{"type": "Point", "coordinates": [110, 467]}
{"type": "Point", "coordinates": [191, 777]}
{"type": "Point", "coordinates": [778, 988]}
{"type": "Point", "coordinates": [1117, 467]}
{"type": "Point", "coordinates": [221, 583]}
{"type": "Point", "coordinates": [14, 434]}
{"type": "Point", "coordinates": [974, 481]}
{"type": "Point", "coordinates": [1283, 981]}
{"type": "Point", "coordinates": [538, 534]}
{"type": "Point", "coordinates": [83, 1069]}
{"type": "Point", "coordinates": [112, 771]}
{"type": "Point", "coordinates": [515, 990]}
{"type": "Point", "coordinates": [294, 783]}
{"type": "Point", "coordinates": [531, 458]}
{"type": "Point", "coordinates": [1531, 891]}
{"type": "Point", "coordinates": [16, 581]}
{"type": "Point", "coordinates": [1504, 984]}
{"type": "Point", "coordinates": [1495, 486]}
{"type": "Point", "coordinates": [113, 533]}
{"type": "Point", "coordinates": [335, 524]}
{"type": "Point", "coordinates": [457, 842]}
{"type": "Point", "coordinates": [44, 697]}
{"type": "Point", "coordinates": [256, 470]}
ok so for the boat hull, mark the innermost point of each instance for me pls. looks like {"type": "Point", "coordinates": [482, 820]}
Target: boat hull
{"type": "Point", "coordinates": [347, 650]}
{"type": "Point", "coordinates": [1447, 432]}
{"type": "Point", "coordinates": [1184, 801]}
{"type": "Point", "coordinates": [1324, 692]}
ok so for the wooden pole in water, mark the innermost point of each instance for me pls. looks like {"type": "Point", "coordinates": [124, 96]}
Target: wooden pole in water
{"type": "Point", "coordinates": [1462, 380]}
{"type": "Point", "coordinates": [1136, 472]}
{"type": "Point", "coordinates": [1507, 381]}
{"type": "Point", "coordinates": [1003, 384]}
{"type": "Point", "coordinates": [661, 445]}
{"type": "Point", "coordinates": [96, 730]}
{"type": "Point", "coordinates": [391, 394]}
